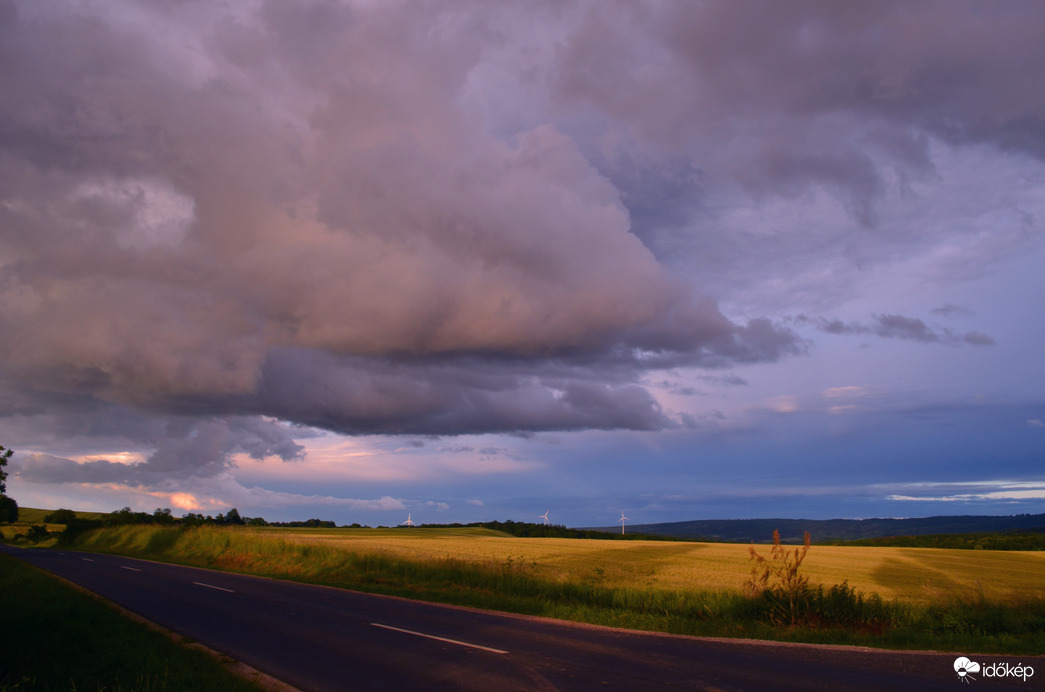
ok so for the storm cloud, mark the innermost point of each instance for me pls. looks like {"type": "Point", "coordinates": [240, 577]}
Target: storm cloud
{"type": "Point", "coordinates": [301, 218]}
{"type": "Point", "coordinates": [219, 221]}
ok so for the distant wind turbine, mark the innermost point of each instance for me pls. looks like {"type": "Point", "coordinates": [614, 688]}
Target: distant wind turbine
{"type": "Point", "coordinates": [545, 516]}
{"type": "Point", "coordinates": [410, 523]}
{"type": "Point", "coordinates": [622, 520]}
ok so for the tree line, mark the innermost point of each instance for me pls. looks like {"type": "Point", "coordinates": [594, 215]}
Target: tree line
{"type": "Point", "coordinates": [76, 525]}
{"type": "Point", "coordinates": [525, 529]}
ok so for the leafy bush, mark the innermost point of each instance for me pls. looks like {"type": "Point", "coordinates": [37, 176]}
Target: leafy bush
{"type": "Point", "coordinates": [76, 527]}
{"type": "Point", "coordinates": [60, 516]}
{"type": "Point", "coordinates": [844, 605]}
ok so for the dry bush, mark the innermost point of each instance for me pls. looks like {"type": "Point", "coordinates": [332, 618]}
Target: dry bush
{"type": "Point", "coordinates": [777, 577]}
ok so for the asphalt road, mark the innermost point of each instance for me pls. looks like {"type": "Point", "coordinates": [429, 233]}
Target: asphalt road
{"type": "Point", "coordinates": [319, 638]}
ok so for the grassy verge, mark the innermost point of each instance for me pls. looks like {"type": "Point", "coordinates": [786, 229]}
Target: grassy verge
{"type": "Point", "coordinates": [58, 638]}
{"type": "Point", "coordinates": [835, 614]}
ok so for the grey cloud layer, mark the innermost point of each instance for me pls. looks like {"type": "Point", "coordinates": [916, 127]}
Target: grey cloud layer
{"type": "Point", "coordinates": [438, 218]}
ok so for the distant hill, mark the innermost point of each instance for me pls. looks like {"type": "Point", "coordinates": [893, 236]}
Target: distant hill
{"type": "Point", "coordinates": [761, 530]}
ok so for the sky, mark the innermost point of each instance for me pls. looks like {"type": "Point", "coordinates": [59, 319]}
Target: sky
{"type": "Point", "coordinates": [471, 261]}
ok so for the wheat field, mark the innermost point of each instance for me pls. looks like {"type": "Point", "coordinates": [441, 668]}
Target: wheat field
{"type": "Point", "coordinates": [917, 575]}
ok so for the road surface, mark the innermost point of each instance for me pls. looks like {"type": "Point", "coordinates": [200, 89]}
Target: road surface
{"type": "Point", "coordinates": [320, 638]}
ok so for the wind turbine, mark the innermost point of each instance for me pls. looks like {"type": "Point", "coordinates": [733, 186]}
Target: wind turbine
{"type": "Point", "coordinates": [410, 523]}
{"type": "Point", "coordinates": [545, 517]}
{"type": "Point", "coordinates": [622, 520]}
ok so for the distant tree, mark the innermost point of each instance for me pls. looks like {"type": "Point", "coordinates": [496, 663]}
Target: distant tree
{"type": "Point", "coordinates": [233, 518]}
{"type": "Point", "coordinates": [192, 519]}
{"type": "Point", "coordinates": [5, 454]}
{"type": "Point", "coordinates": [37, 533]}
{"type": "Point", "coordinates": [127, 516]}
{"type": "Point", "coordinates": [60, 516]}
{"type": "Point", "coordinates": [163, 516]}
{"type": "Point", "coordinates": [8, 509]}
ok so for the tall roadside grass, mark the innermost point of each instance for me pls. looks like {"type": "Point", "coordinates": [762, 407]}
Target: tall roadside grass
{"type": "Point", "coordinates": [59, 638]}
{"type": "Point", "coordinates": [836, 614]}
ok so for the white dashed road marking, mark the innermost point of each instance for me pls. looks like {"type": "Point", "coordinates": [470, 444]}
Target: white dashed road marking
{"type": "Point", "coordinates": [210, 586]}
{"type": "Point", "coordinates": [441, 639]}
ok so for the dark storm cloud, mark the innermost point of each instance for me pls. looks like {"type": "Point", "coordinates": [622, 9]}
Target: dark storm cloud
{"type": "Point", "coordinates": [162, 237]}
{"type": "Point", "coordinates": [471, 395]}
{"type": "Point", "coordinates": [415, 218]}
{"type": "Point", "coordinates": [780, 98]}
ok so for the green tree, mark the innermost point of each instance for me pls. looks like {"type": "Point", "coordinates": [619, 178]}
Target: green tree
{"type": "Point", "coordinates": [233, 518]}
{"type": "Point", "coordinates": [8, 509]}
{"type": "Point", "coordinates": [5, 454]}
{"type": "Point", "coordinates": [163, 516]}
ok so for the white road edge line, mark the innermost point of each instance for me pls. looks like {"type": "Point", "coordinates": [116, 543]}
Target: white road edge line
{"type": "Point", "coordinates": [133, 569]}
{"type": "Point", "coordinates": [441, 639]}
{"type": "Point", "coordinates": [211, 586]}
{"type": "Point", "coordinates": [86, 559]}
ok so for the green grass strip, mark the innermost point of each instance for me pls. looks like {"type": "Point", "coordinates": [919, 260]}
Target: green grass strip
{"type": "Point", "coordinates": [55, 637]}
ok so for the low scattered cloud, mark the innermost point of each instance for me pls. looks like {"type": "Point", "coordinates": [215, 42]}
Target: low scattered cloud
{"type": "Point", "coordinates": [847, 392]}
{"type": "Point", "coordinates": [786, 403]}
{"type": "Point", "coordinates": [974, 491]}
{"type": "Point", "coordinates": [951, 310]}
{"type": "Point", "coordinates": [183, 448]}
{"type": "Point", "coordinates": [193, 494]}
{"type": "Point", "coordinates": [897, 327]}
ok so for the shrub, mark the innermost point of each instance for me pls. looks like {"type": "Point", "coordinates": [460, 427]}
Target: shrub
{"type": "Point", "coordinates": [60, 516]}
{"type": "Point", "coordinates": [77, 526]}
{"type": "Point", "coordinates": [843, 605]}
{"type": "Point", "coordinates": [777, 579]}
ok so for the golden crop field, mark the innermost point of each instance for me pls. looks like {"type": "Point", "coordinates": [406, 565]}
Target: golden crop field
{"type": "Point", "coordinates": [918, 575]}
